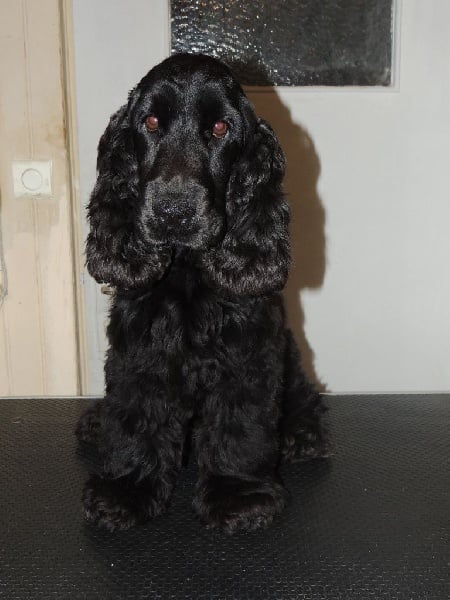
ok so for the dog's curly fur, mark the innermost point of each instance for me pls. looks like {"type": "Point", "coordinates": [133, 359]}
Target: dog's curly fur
{"type": "Point", "coordinates": [191, 229]}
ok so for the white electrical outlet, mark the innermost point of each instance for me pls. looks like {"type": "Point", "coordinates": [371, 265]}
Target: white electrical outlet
{"type": "Point", "coordinates": [32, 178]}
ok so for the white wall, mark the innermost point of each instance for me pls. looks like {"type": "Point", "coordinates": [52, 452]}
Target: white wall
{"type": "Point", "coordinates": [369, 185]}
{"type": "Point", "coordinates": [381, 319]}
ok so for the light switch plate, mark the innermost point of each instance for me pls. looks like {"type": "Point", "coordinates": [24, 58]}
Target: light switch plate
{"type": "Point", "coordinates": [32, 178]}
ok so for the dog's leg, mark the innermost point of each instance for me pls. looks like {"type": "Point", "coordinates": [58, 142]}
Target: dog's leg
{"type": "Point", "coordinates": [303, 435]}
{"type": "Point", "coordinates": [237, 446]}
{"type": "Point", "coordinates": [89, 425]}
{"type": "Point", "coordinates": [139, 438]}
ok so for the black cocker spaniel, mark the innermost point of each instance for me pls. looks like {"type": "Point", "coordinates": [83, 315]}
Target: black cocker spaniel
{"type": "Point", "coordinates": [188, 222]}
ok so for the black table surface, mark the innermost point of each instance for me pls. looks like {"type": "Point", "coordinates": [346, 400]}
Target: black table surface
{"type": "Point", "coordinates": [371, 522]}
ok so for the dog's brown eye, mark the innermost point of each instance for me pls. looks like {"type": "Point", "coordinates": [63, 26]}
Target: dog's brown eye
{"type": "Point", "coordinates": [219, 129]}
{"type": "Point", "coordinates": [151, 122]}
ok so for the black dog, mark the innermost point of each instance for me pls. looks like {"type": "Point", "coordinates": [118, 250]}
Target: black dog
{"type": "Point", "coordinates": [188, 222]}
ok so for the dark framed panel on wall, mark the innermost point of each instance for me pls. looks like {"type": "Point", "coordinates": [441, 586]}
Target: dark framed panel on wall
{"type": "Point", "coordinates": [291, 42]}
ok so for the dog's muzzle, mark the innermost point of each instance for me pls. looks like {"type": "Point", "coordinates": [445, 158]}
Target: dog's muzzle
{"type": "Point", "coordinates": [177, 209]}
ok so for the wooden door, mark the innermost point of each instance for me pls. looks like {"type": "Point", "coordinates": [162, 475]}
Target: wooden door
{"type": "Point", "coordinates": [38, 332]}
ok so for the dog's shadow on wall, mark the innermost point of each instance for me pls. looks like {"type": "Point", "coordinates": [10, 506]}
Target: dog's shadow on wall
{"type": "Point", "coordinates": [308, 242]}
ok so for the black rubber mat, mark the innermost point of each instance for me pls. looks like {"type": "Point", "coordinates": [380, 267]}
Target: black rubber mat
{"type": "Point", "coordinates": [372, 522]}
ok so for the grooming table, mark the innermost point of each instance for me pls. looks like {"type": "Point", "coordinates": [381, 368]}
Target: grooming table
{"type": "Point", "coordinates": [371, 522]}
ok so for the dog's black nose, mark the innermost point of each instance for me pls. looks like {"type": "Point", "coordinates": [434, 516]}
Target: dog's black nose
{"type": "Point", "coordinates": [175, 202]}
{"type": "Point", "coordinates": [173, 208]}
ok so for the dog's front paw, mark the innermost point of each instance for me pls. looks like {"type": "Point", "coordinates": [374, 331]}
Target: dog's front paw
{"type": "Point", "coordinates": [234, 504]}
{"type": "Point", "coordinates": [306, 445]}
{"type": "Point", "coordinates": [89, 424]}
{"type": "Point", "coordinates": [116, 505]}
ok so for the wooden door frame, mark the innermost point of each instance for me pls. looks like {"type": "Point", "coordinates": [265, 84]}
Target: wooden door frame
{"type": "Point", "coordinates": [70, 115]}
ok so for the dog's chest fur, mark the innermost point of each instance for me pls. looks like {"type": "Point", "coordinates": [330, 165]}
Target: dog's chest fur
{"type": "Point", "coordinates": [183, 328]}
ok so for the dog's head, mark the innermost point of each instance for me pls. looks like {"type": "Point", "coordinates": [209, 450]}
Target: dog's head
{"type": "Point", "coordinates": [190, 120]}
{"type": "Point", "coordinates": [188, 164]}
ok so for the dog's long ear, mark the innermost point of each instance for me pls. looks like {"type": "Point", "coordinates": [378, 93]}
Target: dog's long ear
{"type": "Point", "coordinates": [118, 251]}
{"type": "Point", "coordinates": [254, 255]}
